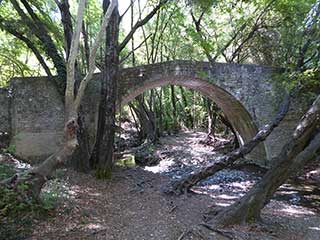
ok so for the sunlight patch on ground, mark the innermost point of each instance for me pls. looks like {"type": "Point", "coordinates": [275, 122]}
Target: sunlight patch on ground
{"type": "Point", "coordinates": [163, 166]}
{"type": "Point", "coordinates": [222, 204]}
{"type": "Point", "coordinates": [297, 211]}
{"type": "Point", "coordinates": [95, 194]}
{"type": "Point", "coordinates": [243, 186]}
{"type": "Point", "coordinates": [288, 192]}
{"type": "Point", "coordinates": [93, 226]}
{"type": "Point", "coordinates": [11, 160]}
{"type": "Point", "coordinates": [227, 197]}
{"type": "Point", "coordinates": [315, 228]}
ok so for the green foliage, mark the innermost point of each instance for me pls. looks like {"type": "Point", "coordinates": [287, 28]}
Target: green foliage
{"type": "Point", "coordinates": [203, 74]}
{"type": "Point", "coordinates": [309, 81]}
{"type": "Point", "coordinates": [11, 149]}
{"type": "Point", "coordinates": [5, 171]}
{"type": "Point", "coordinates": [18, 211]}
{"type": "Point", "coordinates": [126, 161]}
{"type": "Point", "coordinates": [13, 59]}
{"type": "Point", "coordinates": [203, 5]}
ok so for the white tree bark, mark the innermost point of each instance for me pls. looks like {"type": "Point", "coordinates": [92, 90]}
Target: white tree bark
{"type": "Point", "coordinates": [93, 53]}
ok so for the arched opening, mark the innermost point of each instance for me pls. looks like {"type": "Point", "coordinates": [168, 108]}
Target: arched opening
{"type": "Point", "coordinates": [237, 114]}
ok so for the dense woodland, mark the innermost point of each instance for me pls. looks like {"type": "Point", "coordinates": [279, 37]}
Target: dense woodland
{"type": "Point", "coordinates": [69, 41]}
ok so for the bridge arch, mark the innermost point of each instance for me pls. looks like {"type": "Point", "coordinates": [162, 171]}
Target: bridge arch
{"type": "Point", "coordinates": [235, 111]}
{"type": "Point", "coordinates": [247, 93]}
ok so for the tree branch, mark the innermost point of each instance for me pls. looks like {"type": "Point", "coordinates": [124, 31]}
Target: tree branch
{"type": "Point", "coordinates": [132, 2]}
{"type": "Point", "coordinates": [67, 23]}
{"type": "Point", "coordinates": [140, 23]}
{"type": "Point", "coordinates": [74, 47]}
{"type": "Point", "coordinates": [93, 53]}
{"type": "Point", "coordinates": [41, 33]}
{"type": "Point", "coordinates": [132, 51]}
{"type": "Point", "coordinates": [197, 24]}
{"type": "Point", "coordinates": [12, 30]}
{"type": "Point", "coordinates": [254, 29]}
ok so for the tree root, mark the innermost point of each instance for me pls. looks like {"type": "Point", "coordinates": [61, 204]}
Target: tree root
{"type": "Point", "coordinates": [225, 233]}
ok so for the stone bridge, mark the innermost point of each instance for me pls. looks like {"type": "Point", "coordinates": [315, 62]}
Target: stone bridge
{"type": "Point", "coordinates": [248, 94]}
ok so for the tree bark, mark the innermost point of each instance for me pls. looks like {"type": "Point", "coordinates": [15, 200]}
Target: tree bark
{"type": "Point", "coordinates": [67, 23]}
{"type": "Point", "coordinates": [107, 107]}
{"type": "Point", "coordinates": [301, 149]}
{"type": "Point", "coordinates": [185, 183]}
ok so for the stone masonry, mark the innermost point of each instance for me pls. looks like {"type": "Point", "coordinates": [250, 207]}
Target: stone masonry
{"type": "Point", "coordinates": [248, 94]}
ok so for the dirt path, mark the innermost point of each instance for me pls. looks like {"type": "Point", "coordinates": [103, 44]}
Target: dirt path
{"type": "Point", "coordinates": [131, 205]}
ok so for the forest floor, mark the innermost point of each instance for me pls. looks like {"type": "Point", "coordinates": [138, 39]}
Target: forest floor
{"type": "Point", "coordinates": [132, 206]}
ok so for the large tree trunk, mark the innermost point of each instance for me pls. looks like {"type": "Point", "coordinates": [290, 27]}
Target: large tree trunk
{"type": "Point", "coordinates": [185, 183]}
{"type": "Point", "coordinates": [301, 149]}
{"type": "Point", "coordinates": [107, 108]}
{"type": "Point", "coordinates": [81, 156]}
{"type": "Point", "coordinates": [80, 159]}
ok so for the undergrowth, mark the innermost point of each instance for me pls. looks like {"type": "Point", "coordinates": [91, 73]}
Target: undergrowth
{"type": "Point", "coordinates": [17, 211]}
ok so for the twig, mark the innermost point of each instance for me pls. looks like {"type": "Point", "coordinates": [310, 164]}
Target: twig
{"type": "Point", "coordinates": [183, 234]}
{"type": "Point", "coordinates": [131, 52]}
{"type": "Point", "coordinates": [172, 209]}
{"type": "Point", "coordinates": [124, 13]}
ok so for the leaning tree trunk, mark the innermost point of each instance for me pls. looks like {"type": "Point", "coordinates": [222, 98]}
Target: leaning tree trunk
{"type": "Point", "coordinates": [185, 183]}
{"type": "Point", "coordinates": [301, 149]}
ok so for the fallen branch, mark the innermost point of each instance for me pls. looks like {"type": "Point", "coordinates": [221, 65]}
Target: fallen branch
{"type": "Point", "coordinates": [183, 234]}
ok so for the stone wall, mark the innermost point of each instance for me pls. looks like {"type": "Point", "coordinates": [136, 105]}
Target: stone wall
{"type": "Point", "coordinates": [5, 126]}
{"type": "Point", "coordinates": [37, 117]}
